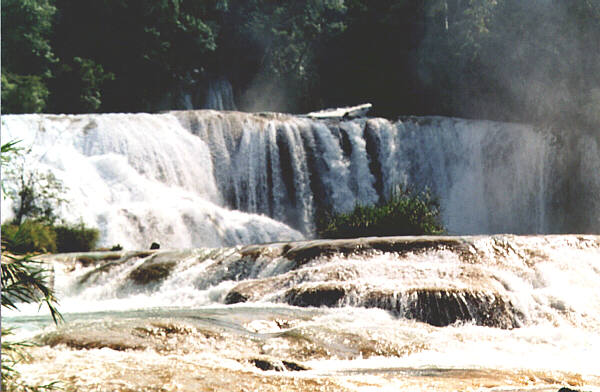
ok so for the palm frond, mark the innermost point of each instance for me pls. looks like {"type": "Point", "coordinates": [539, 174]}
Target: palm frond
{"type": "Point", "coordinates": [24, 280]}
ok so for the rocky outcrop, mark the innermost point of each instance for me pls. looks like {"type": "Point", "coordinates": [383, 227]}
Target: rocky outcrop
{"type": "Point", "coordinates": [277, 365]}
{"type": "Point", "coordinates": [322, 295]}
{"type": "Point", "coordinates": [157, 267]}
{"type": "Point", "coordinates": [442, 307]}
{"type": "Point", "coordinates": [104, 262]}
{"type": "Point", "coordinates": [152, 270]}
{"type": "Point", "coordinates": [435, 306]}
{"type": "Point", "coordinates": [235, 297]}
{"type": "Point", "coordinates": [302, 252]}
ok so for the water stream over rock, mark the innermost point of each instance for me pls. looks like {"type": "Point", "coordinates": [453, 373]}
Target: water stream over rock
{"type": "Point", "coordinates": [239, 297]}
{"type": "Point", "coordinates": [471, 313]}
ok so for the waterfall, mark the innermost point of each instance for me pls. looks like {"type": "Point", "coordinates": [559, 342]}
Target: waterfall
{"type": "Point", "coordinates": [209, 178]}
{"type": "Point", "coordinates": [193, 92]}
{"type": "Point", "coordinates": [219, 95]}
{"type": "Point", "coordinates": [490, 177]}
{"type": "Point", "coordinates": [139, 178]}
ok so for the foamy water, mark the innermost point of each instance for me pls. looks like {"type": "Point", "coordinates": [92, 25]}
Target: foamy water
{"type": "Point", "coordinates": [208, 178]}
{"type": "Point", "coordinates": [180, 324]}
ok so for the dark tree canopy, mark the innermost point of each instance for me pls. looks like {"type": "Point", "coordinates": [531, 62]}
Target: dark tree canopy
{"type": "Point", "coordinates": [533, 61]}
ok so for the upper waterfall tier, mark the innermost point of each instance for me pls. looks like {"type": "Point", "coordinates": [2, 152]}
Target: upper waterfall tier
{"type": "Point", "coordinates": [207, 178]}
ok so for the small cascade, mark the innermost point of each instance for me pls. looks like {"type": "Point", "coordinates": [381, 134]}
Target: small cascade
{"type": "Point", "coordinates": [219, 95]}
{"type": "Point", "coordinates": [438, 307]}
{"type": "Point", "coordinates": [502, 281]}
{"type": "Point", "coordinates": [515, 312]}
{"type": "Point", "coordinates": [513, 178]}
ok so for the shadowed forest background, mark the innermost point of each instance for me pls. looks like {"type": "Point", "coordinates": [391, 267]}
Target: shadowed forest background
{"type": "Point", "coordinates": [534, 61]}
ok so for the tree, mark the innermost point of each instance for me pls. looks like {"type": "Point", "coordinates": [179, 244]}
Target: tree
{"type": "Point", "coordinates": [127, 55]}
{"type": "Point", "coordinates": [35, 194]}
{"type": "Point", "coordinates": [374, 58]}
{"type": "Point", "coordinates": [27, 55]}
{"type": "Point", "coordinates": [23, 93]}
{"type": "Point", "coordinates": [285, 38]}
{"type": "Point", "coordinates": [78, 86]}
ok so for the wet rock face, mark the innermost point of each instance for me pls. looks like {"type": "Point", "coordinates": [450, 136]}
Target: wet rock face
{"type": "Point", "coordinates": [263, 364]}
{"type": "Point", "coordinates": [235, 297]}
{"type": "Point", "coordinates": [315, 296]}
{"type": "Point", "coordinates": [435, 306]}
{"type": "Point", "coordinates": [303, 252]}
{"type": "Point", "coordinates": [442, 307]}
{"type": "Point", "coordinates": [268, 364]}
{"type": "Point", "coordinates": [152, 270]}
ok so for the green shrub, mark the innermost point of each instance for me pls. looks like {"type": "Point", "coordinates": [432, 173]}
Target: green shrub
{"type": "Point", "coordinates": [76, 238]}
{"type": "Point", "coordinates": [405, 213]}
{"type": "Point", "coordinates": [35, 236]}
{"type": "Point", "coordinates": [29, 236]}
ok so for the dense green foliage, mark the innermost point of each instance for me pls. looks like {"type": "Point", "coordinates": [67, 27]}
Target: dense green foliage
{"type": "Point", "coordinates": [36, 236]}
{"type": "Point", "coordinates": [75, 238]}
{"type": "Point", "coordinates": [535, 60]}
{"type": "Point", "coordinates": [29, 236]}
{"type": "Point", "coordinates": [27, 56]}
{"type": "Point", "coordinates": [405, 213]}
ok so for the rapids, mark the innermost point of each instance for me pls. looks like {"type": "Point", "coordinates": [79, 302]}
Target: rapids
{"type": "Point", "coordinates": [489, 313]}
{"type": "Point", "coordinates": [209, 178]}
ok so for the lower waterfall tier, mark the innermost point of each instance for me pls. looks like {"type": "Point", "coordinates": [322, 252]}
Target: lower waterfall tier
{"type": "Point", "coordinates": [498, 281]}
{"type": "Point", "coordinates": [484, 313]}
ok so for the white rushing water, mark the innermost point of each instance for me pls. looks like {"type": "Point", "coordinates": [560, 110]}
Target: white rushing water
{"type": "Point", "coordinates": [545, 279]}
{"type": "Point", "coordinates": [122, 315]}
{"type": "Point", "coordinates": [138, 178]}
{"type": "Point", "coordinates": [177, 177]}
{"type": "Point", "coordinates": [487, 313]}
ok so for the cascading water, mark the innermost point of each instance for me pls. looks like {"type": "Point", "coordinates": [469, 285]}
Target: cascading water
{"type": "Point", "coordinates": [486, 313]}
{"type": "Point", "coordinates": [138, 178]}
{"type": "Point", "coordinates": [171, 177]}
{"type": "Point", "coordinates": [483, 313]}
{"type": "Point", "coordinates": [219, 95]}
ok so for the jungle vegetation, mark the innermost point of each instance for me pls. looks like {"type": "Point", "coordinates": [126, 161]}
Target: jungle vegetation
{"type": "Point", "coordinates": [530, 61]}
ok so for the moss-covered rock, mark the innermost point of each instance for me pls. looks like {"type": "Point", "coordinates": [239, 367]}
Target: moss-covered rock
{"type": "Point", "coordinates": [152, 271]}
